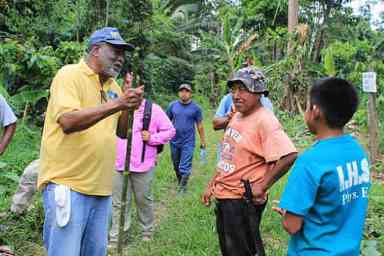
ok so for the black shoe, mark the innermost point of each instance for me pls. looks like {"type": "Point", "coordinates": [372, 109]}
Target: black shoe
{"type": "Point", "coordinates": [178, 176]}
{"type": "Point", "coordinates": [178, 179]}
{"type": "Point", "coordinates": [183, 184]}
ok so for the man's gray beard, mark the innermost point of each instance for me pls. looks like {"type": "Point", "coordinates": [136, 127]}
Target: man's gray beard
{"type": "Point", "coordinates": [112, 72]}
{"type": "Point", "coordinates": [109, 70]}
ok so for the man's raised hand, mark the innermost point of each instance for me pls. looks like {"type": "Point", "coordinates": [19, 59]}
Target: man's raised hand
{"type": "Point", "coordinates": [131, 97]}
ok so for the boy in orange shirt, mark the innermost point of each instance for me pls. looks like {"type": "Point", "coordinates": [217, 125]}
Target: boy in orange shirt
{"type": "Point", "coordinates": [256, 152]}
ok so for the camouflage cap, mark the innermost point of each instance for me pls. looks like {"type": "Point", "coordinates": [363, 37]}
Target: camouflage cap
{"type": "Point", "coordinates": [253, 79]}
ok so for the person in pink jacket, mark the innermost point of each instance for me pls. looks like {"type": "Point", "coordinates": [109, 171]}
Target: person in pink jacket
{"type": "Point", "coordinates": [142, 165]}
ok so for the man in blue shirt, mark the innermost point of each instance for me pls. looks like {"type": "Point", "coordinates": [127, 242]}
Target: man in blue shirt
{"type": "Point", "coordinates": [185, 114]}
{"type": "Point", "coordinates": [325, 201]}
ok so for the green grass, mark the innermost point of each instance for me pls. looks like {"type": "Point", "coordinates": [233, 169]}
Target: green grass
{"type": "Point", "coordinates": [183, 225]}
{"type": "Point", "coordinates": [22, 233]}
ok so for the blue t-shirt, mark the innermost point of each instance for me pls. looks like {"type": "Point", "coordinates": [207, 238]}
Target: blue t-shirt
{"type": "Point", "coordinates": [224, 106]}
{"type": "Point", "coordinates": [227, 101]}
{"type": "Point", "coordinates": [328, 187]}
{"type": "Point", "coordinates": [184, 117]}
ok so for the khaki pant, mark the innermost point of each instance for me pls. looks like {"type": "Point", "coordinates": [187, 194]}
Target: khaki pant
{"type": "Point", "coordinates": [139, 185]}
{"type": "Point", "coordinates": [22, 198]}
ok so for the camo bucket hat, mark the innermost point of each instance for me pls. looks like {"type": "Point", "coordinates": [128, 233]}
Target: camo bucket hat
{"type": "Point", "coordinates": [253, 79]}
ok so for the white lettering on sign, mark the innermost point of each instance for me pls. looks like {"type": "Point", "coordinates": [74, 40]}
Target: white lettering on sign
{"type": "Point", "coordinates": [369, 82]}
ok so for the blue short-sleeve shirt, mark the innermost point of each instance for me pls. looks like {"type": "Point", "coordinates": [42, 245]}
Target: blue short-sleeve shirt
{"type": "Point", "coordinates": [184, 117]}
{"type": "Point", "coordinates": [328, 186]}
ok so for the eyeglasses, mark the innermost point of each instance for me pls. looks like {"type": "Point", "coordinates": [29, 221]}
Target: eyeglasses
{"type": "Point", "coordinates": [103, 97]}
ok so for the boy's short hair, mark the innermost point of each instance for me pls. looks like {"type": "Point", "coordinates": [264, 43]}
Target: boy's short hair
{"type": "Point", "coordinates": [336, 98]}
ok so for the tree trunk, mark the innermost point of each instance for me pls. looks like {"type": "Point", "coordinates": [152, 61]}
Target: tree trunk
{"type": "Point", "coordinates": [107, 13]}
{"type": "Point", "coordinates": [215, 94]}
{"type": "Point", "coordinates": [293, 20]}
{"type": "Point", "coordinates": [319, 39]}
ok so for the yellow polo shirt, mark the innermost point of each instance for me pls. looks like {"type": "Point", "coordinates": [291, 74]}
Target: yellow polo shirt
{"type": "Point", "coordinates": [83, 160]}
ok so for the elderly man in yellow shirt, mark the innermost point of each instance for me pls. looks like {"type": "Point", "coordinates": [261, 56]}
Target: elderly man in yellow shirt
{"type": "Point", "coordinates": [86, 110]}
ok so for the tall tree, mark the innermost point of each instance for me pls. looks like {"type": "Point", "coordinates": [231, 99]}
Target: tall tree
{"type": "Point", "coordinates": [293, 20]}
{"type": "Point", "coordinates": [293, 10]}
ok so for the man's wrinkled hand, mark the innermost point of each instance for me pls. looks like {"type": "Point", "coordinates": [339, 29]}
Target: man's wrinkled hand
{"type": "Point", "coordinates": [230, 115]}
{"type": "Point", "coordinates": [206, 198]}
{"type": "Point", "coordinates": [279, 211]}
{"type": "Point", "coordinates": [259, 194]}
{"type": "Point", "coordinates": [146, 136]}
{"type": "Point", "coordinates": [131, 98]}
{"type": "Point", "coordinates": [128, 81]}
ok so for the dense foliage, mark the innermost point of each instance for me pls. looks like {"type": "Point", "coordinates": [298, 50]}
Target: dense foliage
{"type": "Point", "coordinates": [201, 42]}
{"type": "Point", "coordinates": [197, 42]}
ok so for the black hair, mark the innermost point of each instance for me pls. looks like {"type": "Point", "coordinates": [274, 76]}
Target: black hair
{"type": "Point", "coordinates": [336, 98]}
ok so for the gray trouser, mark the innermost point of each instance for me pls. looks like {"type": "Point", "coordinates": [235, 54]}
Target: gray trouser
{"type": "Point", "coordinates": [139, 184]}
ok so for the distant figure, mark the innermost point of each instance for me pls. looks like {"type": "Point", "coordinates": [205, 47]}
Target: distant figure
{"type": "Point", "coordinates": [325, 201]}
{"type": "Point", "coordinates": [151, 129]}
{"type": "Point", "coordinates": [26, 189]}
{"type": "Point", "coordinates": [185, 114]}
{"type": "Point", "coordinates": [86, 110]}
{"type": "Point", "coordinates": [255, 153]}
{"type": "Point", "coordinates": [8, 122]}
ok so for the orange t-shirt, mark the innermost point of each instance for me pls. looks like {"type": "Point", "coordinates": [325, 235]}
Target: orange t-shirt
{"type": "Point", "coordinates": [250, 146]}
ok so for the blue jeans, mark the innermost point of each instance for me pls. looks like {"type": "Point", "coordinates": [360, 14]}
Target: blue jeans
{"type": "Point", "coordinates": [86, 233]}
{"type": "Point", "coordinates": [182, 157]}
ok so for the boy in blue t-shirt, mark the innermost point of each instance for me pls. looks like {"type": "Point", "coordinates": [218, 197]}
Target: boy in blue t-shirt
{"type": "Point", "coordinates": [325, 200]}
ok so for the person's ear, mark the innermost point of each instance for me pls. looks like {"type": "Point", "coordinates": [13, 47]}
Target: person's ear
{"type": "Point", "coordinates": [316, 112]}
{"type": "Point", "coordinates": [96, 50]}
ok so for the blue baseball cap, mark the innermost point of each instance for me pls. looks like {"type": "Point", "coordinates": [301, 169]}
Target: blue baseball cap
{"type": "Point", "coordinates": [109, 35]}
